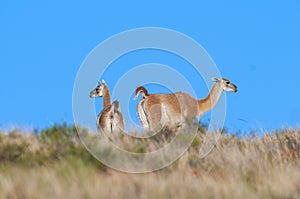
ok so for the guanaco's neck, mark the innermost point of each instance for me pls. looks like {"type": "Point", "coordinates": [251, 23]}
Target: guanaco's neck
{"type": "Point", "coordinates": [106, 97]}
{"type": "Point", "coordinates": [211, 100]}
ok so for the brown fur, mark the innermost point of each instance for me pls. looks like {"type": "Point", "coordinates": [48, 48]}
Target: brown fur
{"type": "Point", "coordinates": [110, 117]}
{"type": "Point", "coordinates": [106, 96]}
{"type": "Point", "coordinates": [152, 106]}
{"type": "Point", "coordinates": [179, 105]}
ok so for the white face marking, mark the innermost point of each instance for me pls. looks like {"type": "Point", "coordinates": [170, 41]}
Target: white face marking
{"type": "Point", "coordinates": [228, 86]}
{"type": "Point", "coordinates": [98, 91]}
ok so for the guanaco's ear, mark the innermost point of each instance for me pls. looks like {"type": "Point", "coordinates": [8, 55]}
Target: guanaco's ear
{"type": "Point", "coordinates": [103, 82]}
{"type": "Point", "coordinates": [215, 79]}
{"type": "Point", "coordinates": [98, 81]}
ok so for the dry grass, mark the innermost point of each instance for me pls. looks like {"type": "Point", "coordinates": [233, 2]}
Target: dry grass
{"type": "Point", "coordinates": [45, 167]}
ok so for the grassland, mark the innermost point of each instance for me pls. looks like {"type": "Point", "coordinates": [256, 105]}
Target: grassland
{"type": "Point", "coordinates": [52, 163]}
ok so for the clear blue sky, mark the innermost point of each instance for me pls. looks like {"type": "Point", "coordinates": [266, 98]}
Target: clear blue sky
{"type": "Point", "coordinates": [254, 44]}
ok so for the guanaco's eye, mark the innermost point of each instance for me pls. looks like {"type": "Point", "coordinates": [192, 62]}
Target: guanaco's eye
{"type": "Point", "coordinates": [227, 82]}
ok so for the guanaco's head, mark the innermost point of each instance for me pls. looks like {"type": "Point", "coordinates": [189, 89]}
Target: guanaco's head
{"type": "Point", "coordinates": [99, 90]}
{"type": "Point", "coordinates": [141, 90]}
{"type": "Point", "coordinates": [226, 84]}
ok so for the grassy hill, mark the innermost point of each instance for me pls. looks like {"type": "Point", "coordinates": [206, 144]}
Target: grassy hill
{"type": "Point", "coordinates": [53, 163]}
